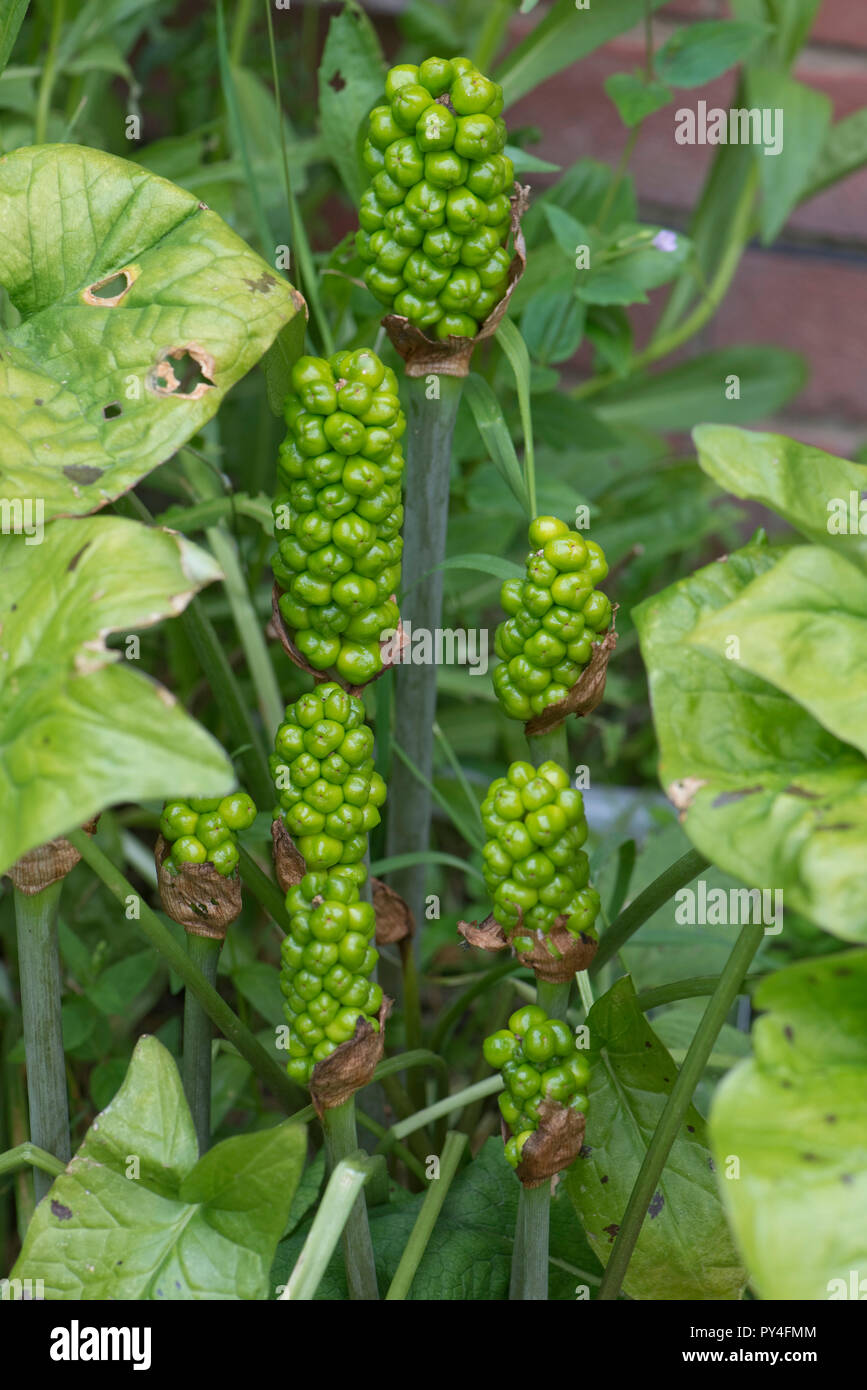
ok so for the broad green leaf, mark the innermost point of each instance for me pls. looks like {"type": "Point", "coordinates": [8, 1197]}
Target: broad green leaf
{"type": "Point", "coordinates": [609, 329]}
{"type": "Point", "coordinates": [469, 1254]}
{"type": "Point", "coordinates": [497, 565]}
{"type": "Point", "coordinates": [635, 97]}
{"type": "Point", "coordinates": [768, 794]}
{"type": "Point", "coordinates": [844, 151]}
{"type": "Point", "coordinates": [62, 689]}
{"type": "Point", "coordinates": [816, 492]}
{"type": "Point", "coordinates": [682, 396]}
{"type": "Point", "coordinates": [700, 52]}
{"type": "Point", "coordinates": [259, 983]}
{"type": "Point", "coordinates": [93, 395]}
{"type": "Point", "coordinates": [351, 79]}
{"type": "Point", "coordinates": [803, 116]}
{"type": "Point", "coordinates": [553, 321]}
{"type": "Point", "coordinates": [684, 1250]}
{"type": "Point", "coordinates": [524, 162]}
{"type": "Point", "coordinates": [12, 14]}
{"type": "Point", "coordinates": [570, 234]}
{"type": "Point", "coordinates": [564, 36]}
{"type": "Point", "coordinates": [610, 284]}
{"type": "Point", "coordinates": [571, 427]}
{"type": "Point", "coordinates": [803, 627]}
{"type": "Point", "coordinates": [788, 1134]}
{"type": "Point", "coordinates": [172, 1228]}
{"type": "Point", "coordinates": [488, 415]}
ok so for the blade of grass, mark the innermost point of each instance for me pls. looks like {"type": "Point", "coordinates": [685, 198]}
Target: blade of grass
{"type": "Point", "coordinates": [470, 834]}
{"type": "Point", "coordinates": [345, 1187]}
{"type": "Point", "coordinates": [431, 1207]}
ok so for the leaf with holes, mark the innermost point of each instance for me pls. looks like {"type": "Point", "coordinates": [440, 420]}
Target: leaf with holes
{"type": "Point", "coordinates": [171, 1228]}
{"type": "Point", "coordinates": [139, 310]}
{"type": "Point", "coordinates": [80, 729]}
{"type": "Point", "coordinates": [684, 1250]}
{"type": "Point", "coordinates": [794, 1119]}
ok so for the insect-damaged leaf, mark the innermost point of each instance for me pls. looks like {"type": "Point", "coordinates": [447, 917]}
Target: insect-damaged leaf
{"type": "Point", "coordinates": [139, 310]}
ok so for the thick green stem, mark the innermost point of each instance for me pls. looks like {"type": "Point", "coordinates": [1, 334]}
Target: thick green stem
{"type": "Point", "coordinates": [268, 1071]}
{"type": "Point", "coordinates": [554, 998]}
{"type": "Point", "coordinates": [342, 1141]}
{"type": "Point", "coordinates": [49, 73]}
{"type": "Point", "coordinates": [204, 954]}
{"type": "Point", "coordinates": [530, 1255]}
{"type": "Point", "coordinates": [428, 469]}
{"type": "Point", "coordinates": [696, 987]}
{"type": "Point", "coordinates": [426, 1220]}
{"type": "Point", "coordinates": [728, 987]}
{"type": "Point", "coordinates": [676, 876]}
{"type": "Point", "coordinates": [39, 970]}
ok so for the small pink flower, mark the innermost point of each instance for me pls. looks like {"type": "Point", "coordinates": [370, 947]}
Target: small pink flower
{"type": "Point", "coordinates": [665, 241]}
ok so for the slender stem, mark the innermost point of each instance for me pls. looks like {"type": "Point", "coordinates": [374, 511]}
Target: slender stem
{"type": "Point", "coordinates": [49, 73]}
{"type": "Point", "coordinates": [204, 953]}
{"type": "Point", "coordinates": [426, 1220]}
{"type": "Point", "coordinates": [530, 1256]}
{"type": "Point", "coordinates": [411, 1012]}
{"type": "Point", "coordinates": [268, 1071]}
{"type": "Point", "coordinates": [299, 245]}
{"type": "Point", "coordinates": [30, 1155]}
{"type": "Point", "coordinates": [399, 1150]}
{"type": "Point", "coordinates": [681, 872]}
{"type": "Point", "coordinates": [344, 1190]}
{"type": "Point", "coordinates": [695, 988]}
{"type": "Point", "coordinates": [342, 1141]}
{"type": "Point", "coordinates": [492, 34]}
{"type": "Point", "coordinates": [728, 987]}
{"type": "Point", "coordinates": [264, 890]}
{"type": "Point", "coordinates": [428, 457]}
{"type": "Point", "coordinates": [243, 15]}
{"type": "Point", "coordinates": [617, 177]}
{"type": "Point", "coordinates": [585, 989]}
{"type": "Point", "coordinates": [489, 1087]}
{"type": "Point", "coordinates": [230, 702]}
{"type": "Point", "coordinates": [41, 989]}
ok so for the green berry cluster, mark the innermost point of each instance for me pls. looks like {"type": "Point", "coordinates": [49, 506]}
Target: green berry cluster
{"type": "Point", "coordinates": [435, 219]}
{"type": "Point", "coordinates": [338, 514]}
{"type": "Point", "coordinates": [323, 771]}
{"type": "Point", "coordinates": [325, 961]}
{"type": "Point", "coordinates": [203, 829]}
{"type": "Point", "coordinates": [534, 865]}
{"type": "Point", "coordinates": [539, 1061]}
{"type": "Point", "coordinates": [554, 616]}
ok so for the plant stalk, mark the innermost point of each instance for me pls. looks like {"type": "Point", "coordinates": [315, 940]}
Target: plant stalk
{"type": "Point", "coordinates": [342, 1141]}
{"type": "Point", "coordinates": [728, 987]}
{"type": "Point", "coordinates": [431, 1207]}
{"type": "Point", "coordinates": [633, 916]}
{"type": "Point", "coordinates": [530, 1255]}
{"type": "Point", "coordinates": [204, 953]}
{"type": "Point", "coordinates": [268, 1071]}
{"type": "Point", "coordinates": [41, 990]}
{"type": "Point", "coordinates": [428, 470]}
{"type": "Point", "coordinates": [345, 1188]}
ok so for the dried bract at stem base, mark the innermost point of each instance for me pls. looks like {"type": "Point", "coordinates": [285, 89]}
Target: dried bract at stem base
{"type": "Point", "coordinates": [554, 1146]}
{"type": "Point", "coordinates": [586, 693]}
{"type": "Point", "coordinates": [204, 902]}
{"type": "Point", "coordinates": [277, 627]}
{"type": "Point", "coordinates": [556, 956]}
{"type": "Point", "coordinates": [451, 356]}
{"type": "Point", "coordinates": [289, 863]}
{"type": "Point", "coordinates": [394, 920]}
{"type": "Point", "coordinates": [351, 1065]}
{"type": "Point", "coordinates": [46, 864]}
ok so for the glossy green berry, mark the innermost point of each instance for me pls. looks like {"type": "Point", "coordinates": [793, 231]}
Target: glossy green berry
{"type": "Point", "coordinates": [553, 617]}
{"type": "Point", "coordinates": [539, 1061]}
{"type": "Point", "coordinates": [336, 520]}
{"type": "Point", "coordinates": [202, 830]}
{"type": "Point", "coordinates": [440, 185]}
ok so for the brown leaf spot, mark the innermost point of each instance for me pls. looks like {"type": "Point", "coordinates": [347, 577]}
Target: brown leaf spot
{"type": "Point", "coordinates": [611, 1231]}
{"type": "Point", "coordinates": [789, 1033]}
{"type": "Point", "coordinates": [83, 473]}
{"type": "Point", "coordinates": [73, 563]}
{"type": "Point", "coordinates": [337, 82]}
{"type": "Point", "coordinates": [111, 289]}
{"type": "Point", "coordinates": [657, 1202]}
{"type": "Point", "coordinates": [792, 790]}
{"type": "Point", "coordinates": [60, 1211]}
{"type": "Point", "coordinates": [264, 285]}
{"type": "Point", "coordinates": [681, 792]}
